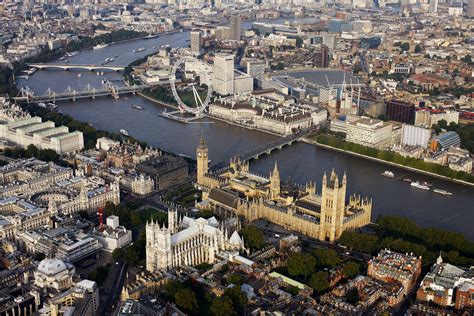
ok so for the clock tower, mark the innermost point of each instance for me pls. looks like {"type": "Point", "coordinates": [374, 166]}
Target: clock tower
{"type": "Point", "coordinates": [202, 160]}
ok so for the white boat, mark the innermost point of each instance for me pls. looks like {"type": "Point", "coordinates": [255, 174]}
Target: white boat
{"type": "Point", "coordinates": [101, 46]}
{"type": "Point", "coordinates": [141, 49]}
{"type": "Point", "coordinates": [418, 185]}
{"type": "Point", "coordinates": [443, 192]}
{"type": "Point", "coordinates": [388, 174]}
{"type": "Point", "coordinates": [137, 107]}
{"type": "Point", "coordinates": [31, 71]}
{"type": "Point", "coordinates": [79, 75]}
{"type": "Point", "coordinates": [124, 132]}
{"type": "Point", "coordinates": [42, 104]}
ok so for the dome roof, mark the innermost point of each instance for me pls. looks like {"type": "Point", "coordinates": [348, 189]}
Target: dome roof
{"type": "Point", "coordinates": [51, 266]}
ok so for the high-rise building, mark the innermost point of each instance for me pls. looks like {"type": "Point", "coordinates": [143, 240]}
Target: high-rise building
{"type": "Point", "coordinates": [400, 111]}
{"type": "Point", "coordinates": [321, 57]}
{"type": "Point", "coordinates": [224, 74]}
{"type": "Point", "coordinates": [256, 68]}
{"type": "Point", "coordinates": [235, 28]}
{"type": "Point", "coordinates": [433, 6]}
{"type": "Point", "coordinates": [195, 41]}
{"type": "Point", "coordinates": [470, 9]}
{"type": "Point", "coordinates": [330, 40]}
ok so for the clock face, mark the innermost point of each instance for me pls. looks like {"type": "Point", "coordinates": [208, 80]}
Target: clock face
{"type": "Point", "coordinates": [205, 155]}
{"type": "Point", "coordinates": [199, 155]}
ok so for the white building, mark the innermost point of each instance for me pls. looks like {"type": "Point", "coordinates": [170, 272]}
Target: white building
{"type": "Point", "coordinates": [427, 117]}
{"type": "Point", "coordinates": [18, 127]}
{"type": "Point", "coordinates": [415, 136]}
{"type": "Point", "coordinates": [142, 185]}
{"type": "Point", "coordinates": [114, 236]}
{"type": "Point", "coordinates": [105, 143]}
{"type": "Point", "coordinates": [223, 74]}
{"type": "Point", "coordinates": [187, 242]}
{"type": "Point", "coordinates": [54, 274]}
{"type": "Point", "coordinates": [256, 68]}
{"type": "Point", "coordinates": [195, 41]}
{"type": "Point", "coordinates": [370, 132]}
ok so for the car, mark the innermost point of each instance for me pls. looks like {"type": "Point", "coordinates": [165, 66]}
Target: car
{"type": "Point", "coordinates": [276, 235]}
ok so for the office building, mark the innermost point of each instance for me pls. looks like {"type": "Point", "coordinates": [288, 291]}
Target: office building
{"type": "Point", "coordinates": [369, 132]}
{"type": "Point", "coordinates": [321, 57]}
{"type": "Point", "coordinates": [256, 68]}
{"type": "Point", "coordinates": [195, 41]}
{"type": "Point", "coordinates": [113, 236]}
{"type": "Point", "coordinates": [400, 111]}
{"type": "Point", "coordinates": [470, 8]}
{"type": "Point", "coordinates": [390, 266]}
{"type": "Point", "coordinates": [445, 141]}
{"type": "Point", "coordinates": [415, 136]}
{"type": "Point", "coordinates": [165, 171]}
{"type": "Point", "coordinates": [448, 286]}
{"type": "Point", "coordinates": [143, 185]}
{"type": "Point", "coordinates": [19, 127]}
{"type": "Point", "coordinates": [223, 74]}
{"type": "Point", "coordinates": [235, 29]}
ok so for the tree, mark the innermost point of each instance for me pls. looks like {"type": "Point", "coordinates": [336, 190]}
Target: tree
{"type": "Point", "coordinates": [130, 256]}
{"type": "Point", "coordinates": [319, 281]}
{"type": "Point", "coordinates": [405, 47]}
{"type": "Point", "coordinates": [235, 279]}
{"type": "Point", "coordinates": [238, 298]}
{"type": "Point", "coordinates": [352, 296]}
{"type": "Point", "coordinates": [418, 49]}
{"type": "Point", "coordinates": [350, 269]}
{"type": "Point", "coordinates": [443, 124]}
{"type": "Point", "coordinates": [186, 299]}
{"type": "Point", "coordinates": [222, 306]}
{"type": "Point", "coordinates": [253, 237]}
{"type": "Point", "coordinates": [171, 288]}
{"type": "Point", "coordinates": [301, 264]}
{"type": "Point", "coordinates": [31, 151]}
{"type": "Point", "coordinates": [326, 258]}
{"type": "Point", "coordinates": [279, 66]}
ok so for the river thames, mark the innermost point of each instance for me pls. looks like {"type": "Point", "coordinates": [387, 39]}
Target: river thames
{"type": "Point", "coordinates": [300, 162]}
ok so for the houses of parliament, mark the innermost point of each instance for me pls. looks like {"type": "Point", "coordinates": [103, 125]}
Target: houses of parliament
{"type": "Point", "coordinates": [298, 208]}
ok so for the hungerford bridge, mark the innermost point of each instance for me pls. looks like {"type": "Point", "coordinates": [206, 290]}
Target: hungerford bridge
{"type": "Point", "coordinates": [90, 67]}
{"type": "Point", "coordinates": [71, 94]}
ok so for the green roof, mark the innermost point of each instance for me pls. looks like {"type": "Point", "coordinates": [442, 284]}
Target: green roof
{"type": "Point", "coordinates": [287, 280]}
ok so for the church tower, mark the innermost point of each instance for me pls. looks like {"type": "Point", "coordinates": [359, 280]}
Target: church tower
{"type": "Point", "coordinates": [333, 197]}
{"type": "Point", "coordinates": [275, 183]}
{"type": "Point", "coordinates": [202, 160]}
{"type": "Point", "coordinates": [172, 220]}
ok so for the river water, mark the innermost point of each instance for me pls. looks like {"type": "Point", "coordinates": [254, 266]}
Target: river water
{"type": "Point", "coordinates": [300, 162]}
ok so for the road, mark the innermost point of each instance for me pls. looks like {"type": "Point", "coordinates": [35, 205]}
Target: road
{"type": "Point", "coordinates": [113, 288]}
{"type": "Point", "coordinates": [269, 230]}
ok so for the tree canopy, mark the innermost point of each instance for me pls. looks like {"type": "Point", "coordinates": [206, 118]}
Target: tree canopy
{"type": "Point", "coordinates": [319, 281]}
{"type": "Point", "coordinates": [186, 299]}
{"type": "Point", "coordinates": [301, 264]}
{"type": "Point", "coordinates": [253, 237]}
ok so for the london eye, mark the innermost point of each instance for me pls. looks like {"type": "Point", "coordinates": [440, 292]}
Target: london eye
{"type": "Point", "coordinates": [195, 104]}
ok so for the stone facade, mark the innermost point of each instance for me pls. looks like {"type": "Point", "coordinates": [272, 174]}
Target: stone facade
{"type": "Point", "coordinates": [323, 216]}
{"type": "Point", "coordinates": [186, 242]}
